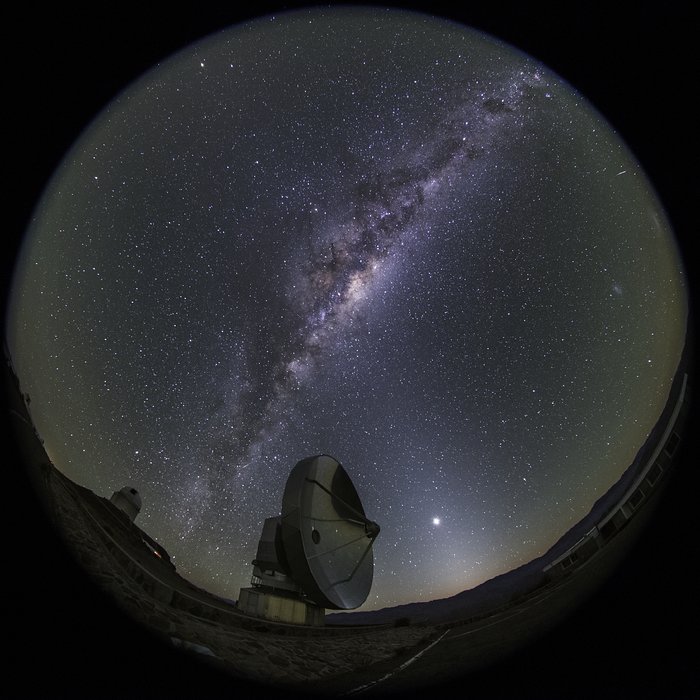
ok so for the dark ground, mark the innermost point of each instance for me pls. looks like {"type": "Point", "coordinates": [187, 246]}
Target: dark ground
{"type": "Point", "coordinates": [65, 638]}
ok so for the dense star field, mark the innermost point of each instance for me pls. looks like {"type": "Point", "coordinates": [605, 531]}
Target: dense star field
{"type": "Point", "coordinates": [361, 232]}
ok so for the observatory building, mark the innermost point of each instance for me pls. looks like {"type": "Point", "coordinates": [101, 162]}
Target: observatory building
{"type": "Point", "coordinates": [658, 456]}
{"type": "Point", "coordinates": [128, 500]}
{"type": "Point", "coordinates": [318, 553]}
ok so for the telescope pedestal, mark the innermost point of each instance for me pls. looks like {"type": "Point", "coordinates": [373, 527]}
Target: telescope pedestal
{"type": "Point", "coordinates": [279, 608]}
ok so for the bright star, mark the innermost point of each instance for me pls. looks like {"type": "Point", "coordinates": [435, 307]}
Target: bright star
{"type": "Point", "coordinates": [436, 521]}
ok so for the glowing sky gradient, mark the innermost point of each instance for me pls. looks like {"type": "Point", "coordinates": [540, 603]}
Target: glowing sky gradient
{"type": "Point", "coordinates": [368, 233]}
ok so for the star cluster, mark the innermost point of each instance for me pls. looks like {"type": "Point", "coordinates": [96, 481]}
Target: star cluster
{"type": "Point", "coordinates": [361, 232]}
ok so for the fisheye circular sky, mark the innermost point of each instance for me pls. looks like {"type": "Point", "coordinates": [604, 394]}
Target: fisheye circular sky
{"type": "Point", "coordinates": [364, 232]}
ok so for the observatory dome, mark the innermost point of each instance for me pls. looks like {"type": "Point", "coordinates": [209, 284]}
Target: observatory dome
{"type": "Point", "coordinates": [128, 500]}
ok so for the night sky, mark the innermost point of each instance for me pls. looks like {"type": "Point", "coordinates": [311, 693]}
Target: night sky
{"type": "Point", "coordinates": [367, 233]}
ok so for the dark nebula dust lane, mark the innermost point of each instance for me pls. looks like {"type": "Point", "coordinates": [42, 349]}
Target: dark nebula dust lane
{"type": "Point", "coordinates": [338, 277]}
{"type": "Point", "coordinates": [358, 231]}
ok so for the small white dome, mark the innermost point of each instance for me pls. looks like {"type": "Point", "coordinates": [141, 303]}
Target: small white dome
{"type": "Point", "coordinates": [131, 494]}
{"type": "Point", "coordinates": [128, 500]}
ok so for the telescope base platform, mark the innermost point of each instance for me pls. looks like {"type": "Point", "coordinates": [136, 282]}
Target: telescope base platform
{"type": "Point", "coordinates": [279, 608]}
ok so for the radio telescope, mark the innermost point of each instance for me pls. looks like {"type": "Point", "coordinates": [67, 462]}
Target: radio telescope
{"type": "Point", "coordinates": [318, 553]}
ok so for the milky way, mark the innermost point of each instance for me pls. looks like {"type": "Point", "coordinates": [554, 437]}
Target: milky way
{"type": "Point", "coordinates": [385, 209]}
{"type": "Point", "coordinates": [361, 232]}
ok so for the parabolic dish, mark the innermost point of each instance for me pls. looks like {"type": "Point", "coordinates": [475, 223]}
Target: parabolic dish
{"type": "Point", "coordinates": [326, 535]}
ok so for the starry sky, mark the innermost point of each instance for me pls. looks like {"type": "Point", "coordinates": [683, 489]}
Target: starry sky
{"type": "Point", "coordinates": [368, 233]}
